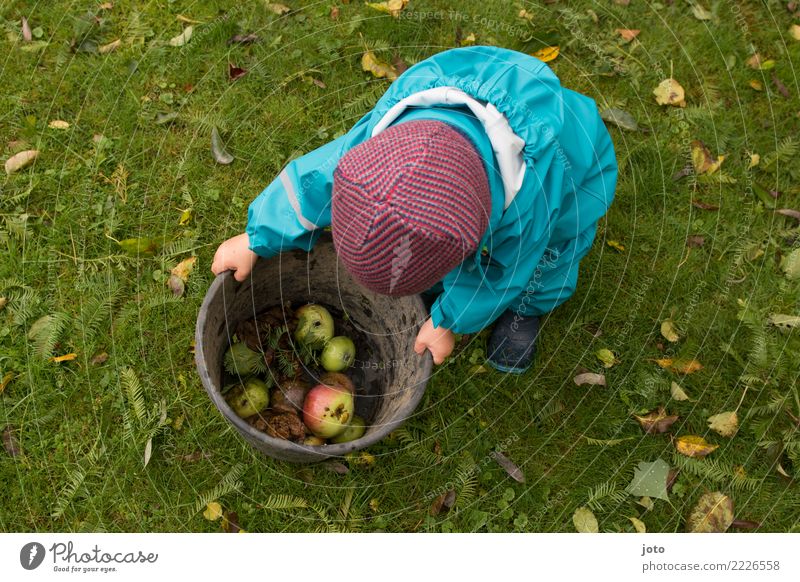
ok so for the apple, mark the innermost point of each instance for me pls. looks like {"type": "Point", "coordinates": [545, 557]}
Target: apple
{"type": "Point", "coordinates": [314, 326]}
{"type": "Point", "coordinates": [355, 430]}
{"type": "Point", "coordinates": [328, 410]}
{"type": "Point", "coordinates": [249, 398]}
{"type": "Point", "coordinates": [314, 441]}
{"type": "Point", "coordinates": [338, 354]}
{"type": "Point", "coordinates": [338, 379]}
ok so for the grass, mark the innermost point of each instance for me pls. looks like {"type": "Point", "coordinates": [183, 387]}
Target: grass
{"type": "Point", "coordinates": [83, 427]}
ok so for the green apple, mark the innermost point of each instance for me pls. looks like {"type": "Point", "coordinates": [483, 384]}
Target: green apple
{"type": "Point", "coordinates": [355, 430]}
{"type": "Point", "coordinates": [314, 441]}
{"type": "Point", "coordinates": [339, 354]}
{"type": "Point", "coordinates": [314, 326]}
{"type": "Point", "coordinates": [249, 398]}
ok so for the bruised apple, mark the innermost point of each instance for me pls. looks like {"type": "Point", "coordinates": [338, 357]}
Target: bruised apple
{"type": "Point", "coordinates": [314, 326]}
{"type": "Point", "coordinates": [338, 379]}
{"type": "Point", "coordinates": [249, 398]}
{"type": "Point", "coordinates": [355, 430]}
{"type": "Point", "coordinates": [328, 410]}
{"type": "Point", "coordinates": [339, 354]}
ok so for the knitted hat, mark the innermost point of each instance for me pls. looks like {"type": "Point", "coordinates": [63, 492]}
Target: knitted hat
{"type": "Point", "coordinates": [409, 205]}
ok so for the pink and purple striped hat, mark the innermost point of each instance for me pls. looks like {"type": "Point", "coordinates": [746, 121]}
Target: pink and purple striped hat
{"type": "Point", "coordinates": [409, 205]}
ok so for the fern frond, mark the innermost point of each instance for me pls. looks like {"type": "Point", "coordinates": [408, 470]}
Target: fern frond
{"type": "Point", "coordinates": [718, 472]}
{"type": "Point", "coordinates": [76, 478]}
{"type": "Point", "coordinates": [135, 394]}
{"type": "Point", "coordinates": [229, 483]}
{"type": "Point", "coordinates": [606, 494]}
{"type": "Point", "coordinates": [785, 152]}
{"type": "Point", "coordinates": [48, 336]}
{"type": "Point", "coordinates": [284, 502]}
{"type": "Point", "coordinates": [179, 247]}
{"type": "Point", "coordinates": [550, 409]}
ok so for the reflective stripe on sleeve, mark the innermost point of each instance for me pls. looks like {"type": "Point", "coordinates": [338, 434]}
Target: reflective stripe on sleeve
{"type": "Point", "coordinates": [293, 200]}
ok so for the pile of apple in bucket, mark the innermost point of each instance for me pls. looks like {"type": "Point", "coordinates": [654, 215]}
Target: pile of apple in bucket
{"type": "Point", "coordinates": [275, 354]}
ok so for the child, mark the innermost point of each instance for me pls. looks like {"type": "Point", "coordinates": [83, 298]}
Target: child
{"type": "Point", "coordinates": [476, 179]}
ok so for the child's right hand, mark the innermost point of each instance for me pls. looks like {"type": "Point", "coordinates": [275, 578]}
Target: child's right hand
{"type": "Point", "coordinates": [235, 255]}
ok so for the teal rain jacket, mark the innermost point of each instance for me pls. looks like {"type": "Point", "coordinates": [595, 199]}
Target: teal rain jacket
{"type": "Point", "coordinates": [551, 167]}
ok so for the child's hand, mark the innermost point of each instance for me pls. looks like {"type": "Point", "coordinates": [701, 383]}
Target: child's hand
{"type": "Point", "coordinates": [235, 255]}
{"type": "Point", "coordinates": [438, 340]}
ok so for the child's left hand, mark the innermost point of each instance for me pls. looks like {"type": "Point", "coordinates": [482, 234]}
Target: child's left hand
{"type": "Point", "coordinates": [438, 340]}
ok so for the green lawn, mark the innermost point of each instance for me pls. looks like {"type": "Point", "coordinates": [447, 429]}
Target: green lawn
{"type": "Point", "coordinates": [125, 168]}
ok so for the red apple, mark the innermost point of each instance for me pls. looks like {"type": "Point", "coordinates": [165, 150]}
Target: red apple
{"type": "Point", "coordinates": [328, 410]}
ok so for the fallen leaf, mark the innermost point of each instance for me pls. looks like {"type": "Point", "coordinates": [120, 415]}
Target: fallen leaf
{"type": "Point", "coordinates": [745, 524]}
{"type": "Point", "coordinates": [607, 357]}
{"type": "Point", "coordinates": [616, 245]}
{"type": "Point", "coordinates": [100, 358]}
{"type": "Point", "coordinates": [590, 379]}
{"type": "Point", "coordinates": [680, 365]}
{"type": "Point", "coordinates": [756, 85]}
{"type": "Point", "coordinates": [380, 69]}
{"type": "Point", "coordinates": [755, 159]}
{"type": "Point", "coordinates": [513, 471]}
{"type": "Point", "coordinates": [669, 331]}
{"type": "Point", "coordinates": [334, 13]}
{"type": "Point", "coordinates": [65, 358]}
{"type": "Point", "coordinates": [760, 64]}
{"type": "Point", "coordinates": [650, 480]}
{"type": "Point", "coordinates": [646, 502]}
{"type": "Point", "coordinates": [704, 205]}
{"type": "Point", "coordinates": [148, 451]}
{"type": "Point", "coordinates": [702, 160]}
{"type": "Point", "coordinates": [107, 48]}
{"type": "Point", "coordinates": [27, 36]}
{"type": "Point", "coordinates": [165, 118]}
{"type": "Point", "coordinates": [58, 124]}
{"type": "Point", "coordinates": [187, 20]}
{"type": "Point", "coordinates": [694, 446]}
{"type": "Point", "coordinates": [724, 423]}
{"type": "Point", "coordinates": [628, 34]}
{"type": "Point", "coordinates": [230, 522]}
{"type": "Point", "coordinates": [213, 511]}
{"type": "Point", "coordinates": [700, 13]}
{"type": "Point", "coordinates": [695, 240]}
{"type": "Point", "coordinates": [182, 38]}
{"type": "Point", "coordinates": [6, 381]}
{"type": "Point", "coordinates": [785, 322]}
{"type": "Point", "coordinates": [278, 9]}
{"type": "Point", "coordinates": [399, 64]}
{"type": "Point", "coordinates": [638, 525]}
{"type": "Point", "coordinates": [235, 72]}
{"type": "Point", "coordinates": [713, 513]}
{"type": "Point", "coordinates": [780, 86]}
{"type": "Point", "coordinates": [243, 39]}
{"type": "Point", "coordinates": [10, 441]}
{"type": "Point", "coordinates": [336, 467]}
{"type": "Point", "coordinates": [443, 503]}
{"type": "Point", "coordinates": [656, 421]}
{"type": "Point", "coordinates": [789, 212]}
{"type": "Point", "coordinates": [791, 265]}
{"type": "Point", "coordinates": [585, 521]}
{"type": "Point", "coordinates": [620, 118]}
{"type": "Point", "coordinates": [393, 7]}
{"type": "Point", "coordinates": [221, 156]}
{"type": "Point", "coordinates": [547, 54]}
{"type": "Point", "coordinates": [670, 92]}
{"type": "Point", "coordinates": [794, 31]}
{"type": "Point", "coordinates": [20, 160]}
{"type": "Point", "coordinates": [139, 246]}
{"type": "Point", "coordinates": [677, 392]}
{"type": "Point", "coordinates": [672, 476]}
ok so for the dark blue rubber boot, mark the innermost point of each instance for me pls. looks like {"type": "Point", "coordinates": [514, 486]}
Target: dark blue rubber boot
{"type": "Point", "coordinates": [512, 344]}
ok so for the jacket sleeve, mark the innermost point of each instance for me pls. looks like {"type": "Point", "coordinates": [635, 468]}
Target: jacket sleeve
{"type": "Point", "coordinates": [290, 212]}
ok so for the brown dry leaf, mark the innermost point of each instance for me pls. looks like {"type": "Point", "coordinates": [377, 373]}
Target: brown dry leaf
{"type": "Point", "coordinates": [107, 48]}
{"type": "Point", "coordinates": [547, 54]}
{"type": "Point", "coordinates": [680, 365]}
{"type": "Point", "coordinates": [694, 446]}
{"type": "Point", "coordinates": [213, 511]}
{"type": "Point", "coordinates": [393, 7]}
{"type": "Point", "coordinates": [628, 34]}
{"type": "Point", "coordinates": [724, 423]}
{"type": "Point", "coordinates": [745, 524]}
{"type": "Point", "coordinates": [789, 212]}
{"type": "Point", "coordinates": [65, 358]}
{"type": "Point", "coordinates": [712, 514]}
{"type": "Point", "coordinates": [702, 160]}
{"type": "Point", "coordinates": [27, 36]}
{"type": "Point", "coordinates": [669, 331]}
{"type": "Point", "coordinates": [278, 9]}
{"type": "Point", "coordinates": [670, 92]}
{"type": "Point", "coordinates": [230, 522]}
{"type": "Point", "coordinates": [10, 441]}
{"type": "Point", "coordinates": [179, 275]}
{"type": "Point", "coordinates": [100, 358]}
{"type": "Point", "coordinates": [235, 72]}
{"type": "Point", "coordinates": [336, 467]}
{"type": "Point", "coordinates": [704, 205]}
{"type": "Point", "coordinates": [656, 421]}
{"type": "Point", "coordinates": [380, 69]}
{"type": "Point", "coordinates": [695, 240]}
{"type": "Point", "coordinates": [513, 471]}
{"type": "Point", "coordinates": [590, 378]}
{"type": "Point", "coordinates": [443, 503]}
{"type": "Point", "coordinates": [20, 160]}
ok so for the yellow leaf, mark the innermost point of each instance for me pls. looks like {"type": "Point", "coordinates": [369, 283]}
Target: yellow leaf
{"type": "Point", "coordinates": [794, 31]}
{"type": "Point", "coordinates": [669, 331]}
{"type": "Point", "coordinates": [628, 34]}
{"type": "Point", "coordinates": [638, 524]}
{"type": "Point", "coordinates": [393, 7]}
{"type": "Point", "coordinates": [278, 9]}
{"type": "Point", "coordinates": [525, 15]}
{"type": "Point", "coordinates": [213, 511]}
{"type": "Point", "coordinates": [712, 514]}
{"type": "Point", "coordinates": [184, 268]}
{"type": "Point", "coordinates": [469, 39]}
{"type": "Point", "coordinates": [616, 245]}
{"type": "Point", "coordinates": [756, 84]}
{"type": "Point", "coordinates": [670, 92]}
{"type": "Point", "coordinates": [694, 446]}
{"type": "Point", "coordinates": [646, 502]}
{"type": "Point", "coordinates": [755, 159]}
{"type": "Point", "coordinates": [187, 20]}
{"type": "Point", "coordinates": [724, 423]}
{"type": "Point", "coordinates": [65, 358]}
{"type": "Point", "coordinates": [6, 381]}
{"type": "Point", "coordinates": [677, 392]}
{"type": "Point", "coordinates": [58, 124]}
{"type": "Point", "coordinates": [702, 160]}
{"type": "Point", "coordinates": [186, 216]}
{"type": "Point", "coordinates": [371, 64]}
{"type": "Point", "coordinates": [183, 37]}
{"type": "Point", "coordinates": [110, 47]}
{"type": "Point", "coordinates": [585, 521]}
{"type": "Point", "coordinates": [607, 357]}
{"type": "Point", "coordinates": [681, 366]}
{"type": "Point", "coordinates": [547, 54]}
